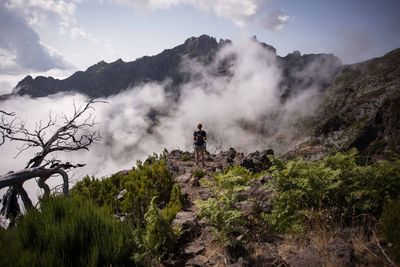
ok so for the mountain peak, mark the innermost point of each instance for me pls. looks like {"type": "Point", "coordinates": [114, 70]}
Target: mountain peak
{"type": "Point", "coordinates": [264, 45]}
{"type": "Point", "coordinates": [201, 45]}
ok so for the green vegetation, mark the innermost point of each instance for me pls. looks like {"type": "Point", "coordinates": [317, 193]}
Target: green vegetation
{"type": "Point", "coordinates": [220, 210]}
{"type": "Point", "coordinates": [336, 183]}
{"type": "Point", "coordinates": [185, 156]}
{"type": "Point", "coordinates": [11, 251]}
{"type": "Point", "coordinates": [148, 180]}
{"type": "Point", "coordinates": [82, 230]}
{"type": "Point", "coordinates": [68, 232]}
{"type": "Point", "coordinates": [336, 191]}
{"type": "Point", "coordinates": [158, 237]}
{"type": "Point", "coordinates": [148, 187]}
{"type": "Point", "coordinates": [390, 226]}
{"type": "Point", "coordinates": [198, 173]}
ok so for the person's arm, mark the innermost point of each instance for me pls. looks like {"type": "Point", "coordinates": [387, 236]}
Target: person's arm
{"type": "Point", "coordinates": [205, 135]}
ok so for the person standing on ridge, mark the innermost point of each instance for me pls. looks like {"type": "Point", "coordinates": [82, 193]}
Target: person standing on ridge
{"type": "Point", "coordinates": [199, 144]}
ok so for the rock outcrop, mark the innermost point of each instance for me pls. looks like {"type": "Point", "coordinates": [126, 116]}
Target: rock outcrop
{"type": "Point", "coordinates": [361, 108]}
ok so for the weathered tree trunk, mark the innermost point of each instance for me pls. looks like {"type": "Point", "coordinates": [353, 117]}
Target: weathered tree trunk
{"type": "Point", "coordinates": [17, 178]}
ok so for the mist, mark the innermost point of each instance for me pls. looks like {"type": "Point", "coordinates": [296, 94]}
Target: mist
{"type": "Point", "coordinates": [243, 110]}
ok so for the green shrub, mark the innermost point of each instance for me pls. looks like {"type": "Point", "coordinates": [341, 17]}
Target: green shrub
{"type": "Point", "coordinates": [71, 232]}
{"type": "Point", "coordinates": [390, 222]}
{"type": "Point", "coordinates": [148, 180]}
{"type": "Point", "coordinates": [158, 237]}
{"type": "Point", "coordinates": [174, 205]}
{"type": "Point", "coordinates": [337, 183]}
{"type": "Point", "coordinates": [185, 156]}
{"type": "Point", "coordinates": [220, 210]}
{"type": "Point", "coordinates": [11, 251]}
{"type": "Point", "coordinates": [198, 173]}
{"type": "Point", "coordinates": [151, 202]}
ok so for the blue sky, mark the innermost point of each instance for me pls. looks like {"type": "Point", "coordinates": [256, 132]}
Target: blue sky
{"type": "Point", "coordinates": [57, 37]}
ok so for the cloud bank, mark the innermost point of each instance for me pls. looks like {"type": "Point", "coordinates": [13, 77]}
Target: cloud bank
{"type": "Point", "coordinates": [274, 20]}
{"type": "Point", "coordinates": [241, 110]}
{"type": "Point", "coordinates": [21, 49]}
{"type": "Point", "coordinates": [238, 11]}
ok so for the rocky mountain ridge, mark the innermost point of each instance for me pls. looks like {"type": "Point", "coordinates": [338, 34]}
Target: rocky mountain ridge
{"type": "Point", "coordinates": [105, 79]}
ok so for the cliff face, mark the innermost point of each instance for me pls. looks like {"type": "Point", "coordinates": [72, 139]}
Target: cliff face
{"type": "Point", "coordinates": [105, 79]}
{"type": "Point", "coordinates": [361, 109]}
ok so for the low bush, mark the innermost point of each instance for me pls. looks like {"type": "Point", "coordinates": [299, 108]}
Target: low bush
{"type": "Point", "coordinates": [337, 183]}
{"type": "Point", "coordinates": [390, 224]}
{"type": "Point", "coordinates": [148, 180]}
{"type": "Point", "coordinates": [158, 237]}
{"type": "Point", "coordinates": [11, 251]}
{"type": "Point", "coordinates": [220, 210]}
{"type": "Point", "coordinates": [71, 232]}
{"type": "Point", "coordinates": [150, 202]}
{"type": "Point", "coordinates": [185, 156]}
{"type": "Point", "coordinates": [198, 173]}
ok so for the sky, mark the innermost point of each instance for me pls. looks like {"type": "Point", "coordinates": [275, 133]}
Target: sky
{"type": "Point", "coordinates": [58, 37]}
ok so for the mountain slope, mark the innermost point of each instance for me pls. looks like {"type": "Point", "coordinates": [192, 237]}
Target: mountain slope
{"type": "Point", "coordinates": [361, 109]}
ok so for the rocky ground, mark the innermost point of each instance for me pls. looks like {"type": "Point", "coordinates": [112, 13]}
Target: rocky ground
{"type": "Point", "coordinates": [200, 246]}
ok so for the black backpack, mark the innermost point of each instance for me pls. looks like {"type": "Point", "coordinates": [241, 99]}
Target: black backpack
{"type": "Point", "coordinates": [200, 137]}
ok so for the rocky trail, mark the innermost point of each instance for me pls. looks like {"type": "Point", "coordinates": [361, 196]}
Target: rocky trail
{"type": "Point", "coordinates": [200, 244]}
{"type": "Point", "coordinates": [197, 236]}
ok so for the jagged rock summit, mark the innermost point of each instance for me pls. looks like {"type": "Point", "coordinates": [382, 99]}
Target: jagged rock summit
{"type": "Point", "coordinates": [105, 79]}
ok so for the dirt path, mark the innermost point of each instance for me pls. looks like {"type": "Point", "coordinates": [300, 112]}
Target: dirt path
{"type": "Point", "coordinates": [199, 246]}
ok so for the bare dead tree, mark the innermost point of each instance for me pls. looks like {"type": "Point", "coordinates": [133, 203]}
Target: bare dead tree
{"type": "Point", "coordinates": [5, 125]}
{"type": "Point", "coordinates": [56, 135]}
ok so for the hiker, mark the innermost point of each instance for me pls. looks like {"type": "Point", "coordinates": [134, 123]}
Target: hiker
{"type": "Point", "coordinates": [199, 144]}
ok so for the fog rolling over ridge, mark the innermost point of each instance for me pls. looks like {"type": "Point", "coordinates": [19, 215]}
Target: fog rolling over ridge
{"type": "Point", "coordinates": [243, 109]}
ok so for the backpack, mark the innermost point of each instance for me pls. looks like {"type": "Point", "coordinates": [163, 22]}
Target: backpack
{"type": "Point", "coordinates": [200, 137]}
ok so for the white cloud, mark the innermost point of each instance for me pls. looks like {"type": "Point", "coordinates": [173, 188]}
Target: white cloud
{"type": "Point", "coordinates": [21, 49]}
{"type": "Point", "coordinates": [40, 12]}
{"type": "Point", "coordinates": [239, 11]}
{"type": "Point", "coordinates": [21, 17]}
{"type": "Point", "coordinates": [274, 20]}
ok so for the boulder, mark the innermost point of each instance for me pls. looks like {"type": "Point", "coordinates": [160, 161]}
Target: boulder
{"type": "Point", "coordinates": [194, 249]}
{"type": "Point", "coordinates": [199, 260]}
{"type": "Point", "coordinates": [258, 161]}
{"type": "Point", "coordinates": [189, 223]}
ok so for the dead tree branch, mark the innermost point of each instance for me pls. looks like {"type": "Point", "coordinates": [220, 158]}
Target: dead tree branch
{"type": "Point", "coordinates": [5, 125]}
{"type": "Point", "coordinates": [66, 134]}
{"type": "Point", "coordinates": [74, 134]}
